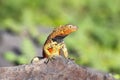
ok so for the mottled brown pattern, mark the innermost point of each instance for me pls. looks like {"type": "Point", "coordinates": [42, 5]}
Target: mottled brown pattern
{"type": "Point", "coordinates": [54, 44]}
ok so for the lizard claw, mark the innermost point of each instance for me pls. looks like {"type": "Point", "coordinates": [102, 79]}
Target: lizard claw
{"type": "Point", "coordinates": [49, 59]}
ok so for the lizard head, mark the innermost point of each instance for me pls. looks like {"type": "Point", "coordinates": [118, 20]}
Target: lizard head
{"type": "Point", "coordinates": [66, 30]}
{"type": "Point", "coordinates": [61, 32]}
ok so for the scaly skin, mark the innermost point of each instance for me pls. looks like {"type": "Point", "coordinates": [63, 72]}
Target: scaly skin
{"type": "Point", "coordinates": [54, 45]}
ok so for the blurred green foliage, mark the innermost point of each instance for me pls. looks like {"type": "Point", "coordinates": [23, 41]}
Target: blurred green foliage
{"type": "Point", "coordinates": [97, 42]}
{"type": "Point", "coordinates": [28, 52]}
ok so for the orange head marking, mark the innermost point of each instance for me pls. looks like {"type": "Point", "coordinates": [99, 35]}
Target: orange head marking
{"type": "Point", "coordinates": [62, 31]}
{"type": "Point", "coordinates": [66, 30]}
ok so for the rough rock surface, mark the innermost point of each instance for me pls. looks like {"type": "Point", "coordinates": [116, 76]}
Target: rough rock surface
{"type": "Point", "coordinates": [57, 69]}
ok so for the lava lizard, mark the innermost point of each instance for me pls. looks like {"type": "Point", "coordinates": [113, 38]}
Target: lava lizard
{"type": "Point", "coordinates": [54, 45]}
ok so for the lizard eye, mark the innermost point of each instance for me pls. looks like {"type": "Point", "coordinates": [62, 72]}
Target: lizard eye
{"type": "Point", "coordinates": [70, 26]}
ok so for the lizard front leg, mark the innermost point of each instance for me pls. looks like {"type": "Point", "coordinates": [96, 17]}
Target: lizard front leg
{"type": "Point", "coordinates": [63, 50]}
{"type": "Point", "coordinates": [48, 49]}
{"type": "Point", "coordinates": [51, 50]}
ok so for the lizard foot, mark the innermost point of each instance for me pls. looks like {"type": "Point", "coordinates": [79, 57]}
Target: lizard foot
{"type": "Point", "coordinates": [49, 59]}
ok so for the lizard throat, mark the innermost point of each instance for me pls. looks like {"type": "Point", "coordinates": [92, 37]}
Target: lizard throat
{"type": "Point", "coordinates": [59, 39]}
